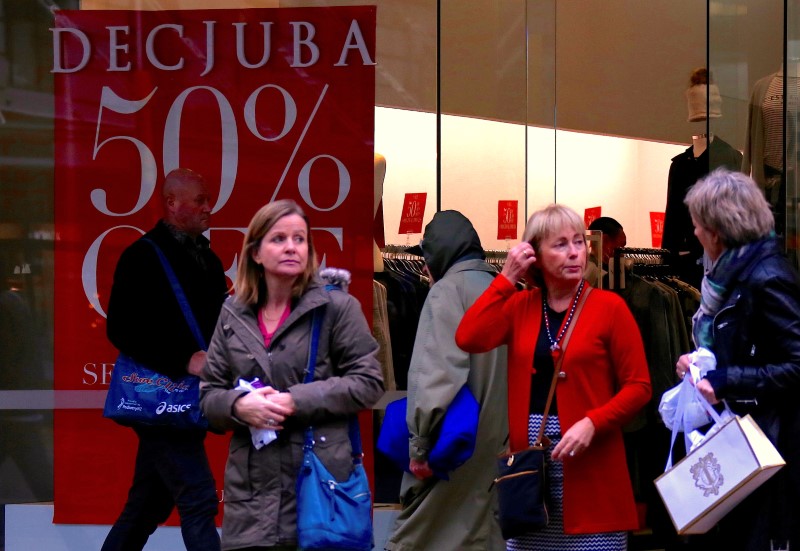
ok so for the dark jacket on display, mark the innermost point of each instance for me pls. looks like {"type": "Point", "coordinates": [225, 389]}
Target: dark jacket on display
{"type": "Point", "coordinates": [756, 337]}
{"type": "Point", "coordinates": [145, 320]}
{"type": "Point", "coordinates": [260, 498]}
{"type": "Point", "coordinates": [684, 172]}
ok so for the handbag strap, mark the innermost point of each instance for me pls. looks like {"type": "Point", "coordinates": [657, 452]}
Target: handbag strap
{"type": "Point", "coordinates": [179, 294]}
{"type": "Point", "coordinates": [559, 360]}
{"type": "Point", "coordinates": [353, 430]}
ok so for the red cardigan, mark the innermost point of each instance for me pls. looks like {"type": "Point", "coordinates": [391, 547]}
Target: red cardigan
{"type": "Point", "coordinates": [607, 380]}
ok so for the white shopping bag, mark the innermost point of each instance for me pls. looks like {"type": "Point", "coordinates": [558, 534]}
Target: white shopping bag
{"type": "Point", "coordinates": [732, 460]}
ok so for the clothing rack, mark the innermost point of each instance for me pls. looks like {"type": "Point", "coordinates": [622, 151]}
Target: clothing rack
{"type": "Point", "coordinates": [398, 251]}
{"type": "Point", "coordinates": [652, 258]}
{"type": "Point", "coordinates": [496, 257]}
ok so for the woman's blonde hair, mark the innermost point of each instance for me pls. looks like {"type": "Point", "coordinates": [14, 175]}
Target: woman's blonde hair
{"type": "Point", "coordinates": [250, 287]}
{"type": "Point", "coordinates": [732, 205]}
{"type": "Point", "coordinates": [546, 221]}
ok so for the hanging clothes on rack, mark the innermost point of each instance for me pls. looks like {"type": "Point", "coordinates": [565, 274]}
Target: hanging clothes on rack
{"type": "Point", "coordinates": [406, 287]}
{"type": "Point", "coordinates": [662, 305]}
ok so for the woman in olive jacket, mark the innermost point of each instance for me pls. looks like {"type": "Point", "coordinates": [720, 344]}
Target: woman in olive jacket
{"type": "Point", "coordinates": [750, 318]}
{"type": "Point", "coordinates": [264, 332]}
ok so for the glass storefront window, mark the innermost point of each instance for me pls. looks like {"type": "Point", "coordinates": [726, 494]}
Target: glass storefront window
{"type": "Point", "coordinates": [476, 102]}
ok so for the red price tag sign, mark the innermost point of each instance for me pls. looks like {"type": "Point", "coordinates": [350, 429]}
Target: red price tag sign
{"type": "Point", "coordinates": [507, 219]}
{"type": "Point", "coordinates": [266, 104]}
{"type": "Point", "coordinates": [413, 210]}
{"type": "Point", "coordinates": [591, 214]}
{"type": "Point", "coordinates": [657, 228]}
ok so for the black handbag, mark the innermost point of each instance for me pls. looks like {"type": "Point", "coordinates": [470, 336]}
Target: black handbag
{"type": "Point", "coordinates": [521, 481]}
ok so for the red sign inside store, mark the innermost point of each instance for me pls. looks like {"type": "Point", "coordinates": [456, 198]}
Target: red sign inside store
{"type": "Point", "coordinates": [591, 214]}
{"type": "Point", "coordinates": [265, 103]}
{"type": "Point", "coordinates": [657, 228]}
{"type": "Point", "coordinates": [413, 210]}
{"type": "Point", "coordinates": [507, 219]}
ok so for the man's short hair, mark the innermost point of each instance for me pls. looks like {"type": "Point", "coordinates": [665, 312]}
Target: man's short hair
{"type": "Point", "coordinates": [607, 225]}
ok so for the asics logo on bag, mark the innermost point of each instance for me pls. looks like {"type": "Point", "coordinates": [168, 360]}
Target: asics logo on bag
{"type": "Point", "coordinates": [172, 408]}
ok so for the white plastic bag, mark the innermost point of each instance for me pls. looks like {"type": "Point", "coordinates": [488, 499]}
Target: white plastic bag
{"type": "Point", "coordinates": [694, 413]}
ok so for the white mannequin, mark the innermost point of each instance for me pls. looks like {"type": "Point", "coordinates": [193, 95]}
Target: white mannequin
{"type": "Point", "coordinates": [379, 164]}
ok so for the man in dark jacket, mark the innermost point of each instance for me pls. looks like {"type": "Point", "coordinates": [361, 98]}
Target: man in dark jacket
{"type": "Point", "coordinates": [145, 322]}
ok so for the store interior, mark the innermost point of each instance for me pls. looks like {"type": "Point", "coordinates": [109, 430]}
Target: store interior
{"type": "Point", "coordinates": [581, 102]}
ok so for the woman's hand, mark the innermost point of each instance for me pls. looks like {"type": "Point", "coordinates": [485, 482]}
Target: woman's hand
{"type": "Point", "coordinates": [420, 469]}
{"type": "Point", "coordinates": [705, 388]}
{"type": "Point", "coordinates": [518, 260]}
{"type": "Point", "coordinates": [264, 408]}
{"type": "Point", "coordinates": [575, 440]}
{"type": "Point", "coordinates": [682, 366]}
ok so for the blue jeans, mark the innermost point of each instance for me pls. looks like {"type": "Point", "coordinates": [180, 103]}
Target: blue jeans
{"type": "Point", "coordinates": [171, 470]}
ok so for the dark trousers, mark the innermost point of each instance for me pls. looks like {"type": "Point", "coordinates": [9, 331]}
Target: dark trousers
{"type": "Point", "coordinates": [171, 470]}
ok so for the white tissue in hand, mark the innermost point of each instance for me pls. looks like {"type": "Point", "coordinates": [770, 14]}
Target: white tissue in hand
{"type": "Point", "coordinates": [260, 437]}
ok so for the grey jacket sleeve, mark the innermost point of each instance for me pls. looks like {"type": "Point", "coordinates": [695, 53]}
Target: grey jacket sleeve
{"type": "Point", "coordinates": [216, 391]}
{"type": "Point", "coordinates": [438, 369]}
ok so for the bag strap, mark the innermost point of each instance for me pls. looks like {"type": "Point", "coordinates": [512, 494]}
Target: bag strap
{"type": "Point", "coordinates": [557, 364]}
{"type": "Point", "coordinates": [179, 294]}
{"type": "Point", "coordinates": [353, 431]}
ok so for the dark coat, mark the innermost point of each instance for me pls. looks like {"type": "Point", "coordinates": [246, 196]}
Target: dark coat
{"type": "Point", "coordinates": [684, 171]}
{"type": "Point", "coordinates": [145, 320]}
{"type": "Point", "coordinates": [260, 502]}
{"type": "Point", "coordinates": [756, 337]}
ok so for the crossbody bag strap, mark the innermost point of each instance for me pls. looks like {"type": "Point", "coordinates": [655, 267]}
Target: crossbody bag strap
{"type": "Point", "coordinates": [179, 294]}
{"type": "Point", "coordinates": [353, 430]}
{"type": "Point", "coordinates": [557, 365]}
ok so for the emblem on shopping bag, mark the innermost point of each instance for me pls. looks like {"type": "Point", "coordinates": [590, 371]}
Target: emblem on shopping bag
{"type": "Point", "coordinates": [707, 475]}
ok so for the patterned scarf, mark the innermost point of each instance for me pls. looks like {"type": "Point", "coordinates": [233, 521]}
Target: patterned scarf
{"type": "Point", "coordinates": [716, 288]}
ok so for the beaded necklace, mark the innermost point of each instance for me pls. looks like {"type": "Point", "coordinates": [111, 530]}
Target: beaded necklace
{"type": "Point", "coordinates": [554, 342]}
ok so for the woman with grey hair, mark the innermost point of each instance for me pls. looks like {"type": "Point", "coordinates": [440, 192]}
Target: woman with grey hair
{"type": "Point", "coordinates": [749, 317]}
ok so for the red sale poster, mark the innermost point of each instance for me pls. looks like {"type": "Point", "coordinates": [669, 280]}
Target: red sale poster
{"type": "Point", "coordinates": [507, 219]}
{"type": "Point", "coordinates": [591, 214]}
{"type": "Point", "coordinates": [413, 210]}
{"type": "Point", "coordinates": [657, 228]}
{"type": "Point", "coordinates": [265, 103]}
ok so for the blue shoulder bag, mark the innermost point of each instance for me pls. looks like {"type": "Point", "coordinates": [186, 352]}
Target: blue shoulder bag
{"type": "Point", "coordinates": [332, 515]}
{"type": "Point", "coordinates": [138, 395]}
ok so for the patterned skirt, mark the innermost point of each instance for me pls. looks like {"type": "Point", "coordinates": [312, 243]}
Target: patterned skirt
{"type": "Point", "coordinates": [553, 538]}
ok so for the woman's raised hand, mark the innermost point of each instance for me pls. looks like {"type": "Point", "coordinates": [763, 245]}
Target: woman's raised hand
{"type": "Point", "coordinates": [518, 260]}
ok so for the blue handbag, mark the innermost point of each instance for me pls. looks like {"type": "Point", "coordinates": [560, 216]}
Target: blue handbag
{"type": "Point", "coordinates": [455, 442]}
{"type": "Point", "coordinates": [332, 514]}
{"type": "Point", "coordinates": [138, 395]}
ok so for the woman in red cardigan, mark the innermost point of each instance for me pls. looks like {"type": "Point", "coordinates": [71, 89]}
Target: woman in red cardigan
{"type": "Point", "coordinates": [603, 381]}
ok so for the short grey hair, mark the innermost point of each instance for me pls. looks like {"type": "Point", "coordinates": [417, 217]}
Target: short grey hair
{"type": "Point", "coordinates": [732, 205]}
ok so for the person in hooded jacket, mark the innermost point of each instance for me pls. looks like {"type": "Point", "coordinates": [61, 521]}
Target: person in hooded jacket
{"type": "Point", "coordinates": [454, 514]}
{"type": "Point", "coordinates": [264, 332]}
